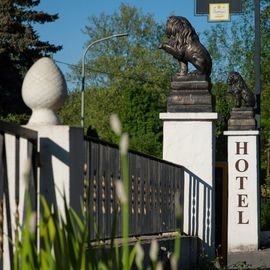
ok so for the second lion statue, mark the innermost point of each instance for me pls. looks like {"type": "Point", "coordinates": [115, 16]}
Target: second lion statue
{"type": "Point", "coordinates": [185, 46]}
{"type": "Point", "coordinates": [238, 87]}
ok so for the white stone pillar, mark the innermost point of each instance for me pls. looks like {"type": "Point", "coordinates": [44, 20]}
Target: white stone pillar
{"type": "Point", "coordinates": [243, 191]}
{"type": "Point", "coordinates": [61, 147]}
{"type": "Point", "coordinates": [189, 140]}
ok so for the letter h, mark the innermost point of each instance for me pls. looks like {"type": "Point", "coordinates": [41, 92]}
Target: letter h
{"type": "Point", "coordinates": [241, 148]}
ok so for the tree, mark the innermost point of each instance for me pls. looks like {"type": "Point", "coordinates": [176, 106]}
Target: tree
{"type": "Point", "coordinates": [232, 48]}
{"type": "Point", "coordinates": [19, 48]}
{"type": "Point", "coordinates": [130, 74]}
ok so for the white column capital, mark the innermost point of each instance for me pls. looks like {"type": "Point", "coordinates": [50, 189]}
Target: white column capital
{"type": "Point", "coordinates": [187, 116]}
{"type": "Point", "coordinates": [241, 133]}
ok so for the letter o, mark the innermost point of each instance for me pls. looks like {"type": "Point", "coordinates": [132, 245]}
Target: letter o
{"type": "Point", "coordinates": [241, 167]}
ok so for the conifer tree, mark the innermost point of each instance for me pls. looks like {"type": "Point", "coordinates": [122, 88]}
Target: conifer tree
{"type": "Point", "coordinates": [19, 48]}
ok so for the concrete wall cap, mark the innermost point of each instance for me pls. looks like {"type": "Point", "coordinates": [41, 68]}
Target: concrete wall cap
{"type": "Point", "coordinates": [189, 116]}
{"type": "Point", "coordinates": [241, 133]}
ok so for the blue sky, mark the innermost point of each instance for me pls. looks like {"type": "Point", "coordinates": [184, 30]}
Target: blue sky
{"type": "Point", "coordinates": [73, 14]}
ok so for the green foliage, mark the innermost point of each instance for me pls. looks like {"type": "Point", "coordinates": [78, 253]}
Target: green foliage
{"type": "Point", "coordinates": [100, 103]}
{"type": "Point", "coordinates": [63, 243]}
{"type": "Point", "coordinates": [232, 48]}
{"type": "Point", "coordinates": [223, 105]}
{"type": "Point", "coordinates": [128, 76]}
{"type": "Point", "coordinates": [20, 119]}
{"type": "Point", "coordinates": [140, 117]}
{"type": "Point", "coordinates": [265, 205]}
{"type": "Point", "coordinates": [265, 216]}
{"type": "Point", "coordinates": [70, 112]}
{"type": "Point", "coordinates": [19, 48]}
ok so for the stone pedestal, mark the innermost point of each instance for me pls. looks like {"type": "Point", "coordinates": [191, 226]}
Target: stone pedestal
{"type": "Point", "coordinates": [190, 94]}
{"type": "Point", "coordinates": [242, 119]}
{"type": "Point", "coordinates": [243, 191]}
{"type": "Point", "coordinates": [189, 140]}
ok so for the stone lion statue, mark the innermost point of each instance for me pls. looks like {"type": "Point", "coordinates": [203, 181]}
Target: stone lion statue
{"type": "Point", "coordinates": [237, 87]}
{"type": "Point", "coordinates": [184, 45]}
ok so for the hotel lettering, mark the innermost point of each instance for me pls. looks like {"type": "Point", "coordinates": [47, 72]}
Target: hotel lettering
{"type": "Point", "coordinates": [242, 167]}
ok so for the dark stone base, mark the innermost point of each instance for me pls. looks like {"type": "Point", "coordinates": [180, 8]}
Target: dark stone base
{"type": "Point", "coordinates": [190, 93]}
{"type": "Point", "coordinates": [242, 119]}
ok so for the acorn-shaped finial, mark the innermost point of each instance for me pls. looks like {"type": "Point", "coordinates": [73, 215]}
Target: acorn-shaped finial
{"type": "Point", "coordinates": [44, 90]}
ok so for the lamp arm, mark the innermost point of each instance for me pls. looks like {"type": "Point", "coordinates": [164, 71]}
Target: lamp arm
{"type": "Point", "coordinates": [83, 70]}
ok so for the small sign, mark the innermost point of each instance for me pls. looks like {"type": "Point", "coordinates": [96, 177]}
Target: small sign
{"type": "Point", "coordinates": [202, 6]}
{"type": "Point", "coordinates": [219, 12]}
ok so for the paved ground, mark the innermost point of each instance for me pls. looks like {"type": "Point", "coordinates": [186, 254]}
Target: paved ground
{"type": "Point", "coordinates": [257, 259]}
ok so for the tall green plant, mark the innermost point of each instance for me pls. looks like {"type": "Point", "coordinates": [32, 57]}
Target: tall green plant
{"type": "Point", "coordinates": [122, 188]}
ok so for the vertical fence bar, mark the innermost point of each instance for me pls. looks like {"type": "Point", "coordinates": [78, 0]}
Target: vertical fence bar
{"type": "Point", "coordinates": [1, 199]}
{"type": "Point", "coordinates": [6, 205]}
{"type": "Point", "coordinates": [6, 210]}
{"type": "Point", "coordinates": [17, 184]}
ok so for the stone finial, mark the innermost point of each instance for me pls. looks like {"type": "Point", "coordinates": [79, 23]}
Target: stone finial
{"type": "Point", "coordinates": [44, 90]}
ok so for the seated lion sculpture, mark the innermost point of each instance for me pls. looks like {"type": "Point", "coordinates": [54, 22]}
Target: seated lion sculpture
{"type": "Point", "coordinates": [185, 46]}
{"type": "Point", "coordinates": [238, 87]}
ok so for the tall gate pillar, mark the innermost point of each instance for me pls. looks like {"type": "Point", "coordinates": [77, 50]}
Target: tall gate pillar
{"type": "Point", "coordinates": [189, 140]}
{"type": "Point", "coordinates": [243, 182]}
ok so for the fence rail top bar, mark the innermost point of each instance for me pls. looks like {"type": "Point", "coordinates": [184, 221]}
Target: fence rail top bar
{"type": "Point", "coordinates": [96, 140]}
{"type": "Point", "coordinates": [17, 130]}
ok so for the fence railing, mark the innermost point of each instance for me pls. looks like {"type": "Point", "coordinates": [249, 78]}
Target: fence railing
{"type": "Point", "coordinates": [22, 145]}
{"type": "Point", "coordinates": [153, 187]}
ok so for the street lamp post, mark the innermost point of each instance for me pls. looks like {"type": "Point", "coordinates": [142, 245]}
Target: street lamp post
{"type": "Point", "coordinates": [83, 70]}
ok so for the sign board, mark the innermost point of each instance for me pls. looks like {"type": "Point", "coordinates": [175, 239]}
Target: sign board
{"type": "Point", "coordinates": [219, 12]}
{"type": "Point", "coordinates": [202, 6]}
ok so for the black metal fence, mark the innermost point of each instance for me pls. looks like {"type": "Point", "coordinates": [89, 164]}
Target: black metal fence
{"type": "Point", "coordinates": [154, 188]}
{"type": "Point", "coordinates": [6, 194]}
